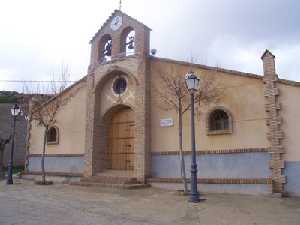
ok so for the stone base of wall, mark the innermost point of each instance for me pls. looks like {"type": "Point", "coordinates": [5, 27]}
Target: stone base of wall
{"type": "Point", "coordinates": [292, 173]}
{"type": "Point", "coordinates": [256, 189]}
{"type": "Point", "coordinates": [64, 164]}
{"type": "Point", "coordinates": [237, 165]}
{"type": "Point", "coordinates": [56, 178]}
{"type": "Point", "coordinates": [242, 172]}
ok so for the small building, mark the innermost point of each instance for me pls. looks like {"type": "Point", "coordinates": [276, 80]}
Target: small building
{"type": "Point", "coordinates": [113, 124]}
{"type": "Point", "coordinates": [7, 101]}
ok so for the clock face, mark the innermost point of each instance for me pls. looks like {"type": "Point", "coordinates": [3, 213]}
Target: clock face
{"type": "Point", "coordinates": [116, 23]}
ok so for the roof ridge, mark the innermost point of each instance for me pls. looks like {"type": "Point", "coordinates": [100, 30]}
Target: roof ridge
{"type": "Point", "coordinates": [65, 91]}
{"type": "Point", "coordinates": [202, 66]}
{"type": "Point", "coordinates": [219, 69]}
{"type": "Point", "coordinates": [130, 17]}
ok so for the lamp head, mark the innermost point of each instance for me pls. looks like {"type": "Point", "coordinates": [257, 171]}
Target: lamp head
{"type": "Point", "coordinates": [15, 111]}
{"type": "Point", "coordinates": [192, 82]}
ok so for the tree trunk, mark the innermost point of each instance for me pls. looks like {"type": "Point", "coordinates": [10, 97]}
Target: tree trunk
{"type": "Point", "coordinates": [182, 162]}
{"type": "Point", "coordinates": [43, 157]}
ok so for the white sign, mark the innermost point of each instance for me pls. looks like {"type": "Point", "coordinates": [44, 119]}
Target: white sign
{"type": "Point", "coordinates": [166, 122]}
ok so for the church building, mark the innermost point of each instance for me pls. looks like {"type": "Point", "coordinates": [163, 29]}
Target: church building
{"type": "Point", "coordinates": [112, 126]}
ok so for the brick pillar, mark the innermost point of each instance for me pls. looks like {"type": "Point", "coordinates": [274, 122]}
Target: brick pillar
{"type": "Point", "coordinates": [142, 117]}
{"type": "Point", "coordinates": [275, 134]}
{"type": "Point", "coordinates": [90, 117]}
{"type": "Point", "coordinates": [116, 46]}
{"type": "Point", "coordinates": [142, 145]}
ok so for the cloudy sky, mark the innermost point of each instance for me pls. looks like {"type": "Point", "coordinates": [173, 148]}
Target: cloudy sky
{"type": "Point", "coordinates": [38, 36]}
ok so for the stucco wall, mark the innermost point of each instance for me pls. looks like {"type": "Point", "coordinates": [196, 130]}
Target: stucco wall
{"type": "Point", "coordinates": [242, 96]}
{"type": "Point", "coordinates": [290, 111]}
{"type": "Point", "coordinates": [71, 119]}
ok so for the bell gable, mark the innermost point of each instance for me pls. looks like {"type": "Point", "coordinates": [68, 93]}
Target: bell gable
{"type": "Point", "coordinates": [120, 36]}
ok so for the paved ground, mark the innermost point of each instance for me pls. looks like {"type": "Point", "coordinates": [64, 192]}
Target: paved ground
{"type": "Point", "coordinates": [28, 204]}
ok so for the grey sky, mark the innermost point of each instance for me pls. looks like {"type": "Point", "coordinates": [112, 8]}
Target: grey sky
{"type": "Point", "coordinates": [37, 36]}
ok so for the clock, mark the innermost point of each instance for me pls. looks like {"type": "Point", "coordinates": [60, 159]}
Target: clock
{"type": "Point", "coordinates": [116, 23]}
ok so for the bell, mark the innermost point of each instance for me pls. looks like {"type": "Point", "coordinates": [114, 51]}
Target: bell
{"type": "Point", "coordinates": [107, 50]}
{"type": "Point", "coordinates": [130, 43]}
{"type": "Point", "coordinates": [131, 46]}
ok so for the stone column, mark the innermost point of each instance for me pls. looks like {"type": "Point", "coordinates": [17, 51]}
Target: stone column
{"type": "Point", "coordinates": [275, 134]}
{"type": "Point", "coordinates": [116, 46]}
{"type": "Point", "coordinates": [142, 118]}
{"type": "Point", "coordinates": [89, 135]}
{"type": "Point", "coordinates": [142, 102]}
{"type": "Point", "coordinates": [143, 111]}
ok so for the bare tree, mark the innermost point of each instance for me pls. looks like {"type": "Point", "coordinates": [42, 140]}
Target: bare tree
{"type": "Point", "coordinates": [173, 95]}
{"type": "Point", "coordinates": [43, 108]}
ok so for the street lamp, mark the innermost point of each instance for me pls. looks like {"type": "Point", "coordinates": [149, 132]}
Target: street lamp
{"type": "Point", "coordinates": [192, 83]}
{"type": "Point", "coordinates": [15, 112]}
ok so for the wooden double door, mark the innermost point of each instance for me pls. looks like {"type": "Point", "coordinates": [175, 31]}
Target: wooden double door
{"type": "Point", "coordinates": [121, 136]}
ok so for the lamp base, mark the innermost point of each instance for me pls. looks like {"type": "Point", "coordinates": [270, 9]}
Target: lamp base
{"type": "Point", "coordinates": [10, 173]}
{"type": "Point", "coordinates": [196, 200]}
{"type": "Point", "coordinates": [9, 182]}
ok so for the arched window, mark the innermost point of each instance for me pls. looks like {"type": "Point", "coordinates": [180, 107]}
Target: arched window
{"type": "Point", "coordinates": [52, 135]}
{"type": "Point", "coordinates": [104, 49]}
{"type": "Point", "coordinates": [219, 122]}
{"type": "Point", "coordinates": [128, 41]}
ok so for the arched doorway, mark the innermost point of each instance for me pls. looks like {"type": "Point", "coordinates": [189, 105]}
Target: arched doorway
{"type": "Point", "coordinates": [121, 136]}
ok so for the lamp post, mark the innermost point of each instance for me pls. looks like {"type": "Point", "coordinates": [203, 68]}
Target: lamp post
{"type": "Point", "coordinates": [15, 111]}
{"type": "Point", "coordinates": [192, 83]}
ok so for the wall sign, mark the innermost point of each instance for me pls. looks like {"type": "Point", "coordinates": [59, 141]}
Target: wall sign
{"type": "Point", "coordinates": [166, 122]}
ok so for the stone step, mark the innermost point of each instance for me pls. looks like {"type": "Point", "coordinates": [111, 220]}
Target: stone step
{"type": "Point", "coordinates": [110, 180]}
{"type": "Point", "coordinates": [109, 185]}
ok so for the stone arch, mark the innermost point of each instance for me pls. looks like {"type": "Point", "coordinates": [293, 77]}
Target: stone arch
{"type": "Point", "coordinates": [127, 41]}
{"type": "Point", "coordinates": [101, 114]}
{"type": "Point", "coordinates": [102, 149]}
{"type": "Point", "coordinates": [228, 129]}
{"type": "Point", "coordinates": [115, 108]}
{"type": "Point", "coordinates": [112, 71]}
{"type": "Point", "coordinates": [105, 48]}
